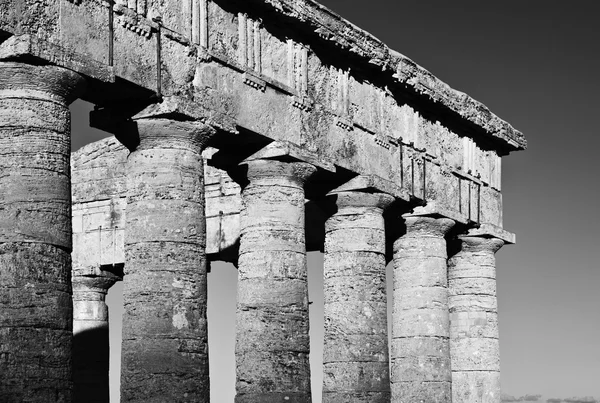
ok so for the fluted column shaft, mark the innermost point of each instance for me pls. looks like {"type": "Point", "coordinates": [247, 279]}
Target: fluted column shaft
{"type": "Point", "coordinates": [90, 339]}
{"type": "Point", "coordinates": [420, 351]}
{"type": "Point", "coordinates": [165, 350]}
{"type": "Point", "coordinates": [355, 362]}
{"type": "Point", "coordinates": [272, 343]}
{"type": "Point", "coordinates": [36, 311]}
{"type": "Point", "coordinates": [474, 338]}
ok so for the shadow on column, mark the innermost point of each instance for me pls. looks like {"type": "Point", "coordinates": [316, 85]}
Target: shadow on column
{"type": "Point", "coordinates": [91, 337]}
{"type": "Point", "coordinates": [90, 366]}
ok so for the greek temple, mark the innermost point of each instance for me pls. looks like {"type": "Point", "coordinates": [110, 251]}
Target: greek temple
{"type": "Point", "coordinates": [250, 132]}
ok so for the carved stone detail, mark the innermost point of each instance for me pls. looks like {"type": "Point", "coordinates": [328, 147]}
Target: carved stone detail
{"type": "Point", "coordinates": [249, 43]}
{"type": "Point", "coordinates": [344, 123]}
{"type": "Point", "coordinates": [255, 82]}
{"type": "Point", "coordinates": [338, 100]}
{"type": "Point", "coordinates": [297, 67]}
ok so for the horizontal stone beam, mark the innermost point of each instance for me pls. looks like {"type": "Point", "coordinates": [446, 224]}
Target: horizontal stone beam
{"type": "Point", "coordinates": [374, 183]}
{"type": "Point", "coordinates": [279, 149]}
{"type": "Point", "coordinates": [125, 38]}
{"type": "Point", "coordinates": [347, 36]}
{"type": "Point", "coordinates": [493, 231]}
{"type": "Point", "coordinates": [99, 186]}
{"type": "Point", "coordinates": [30, 47]}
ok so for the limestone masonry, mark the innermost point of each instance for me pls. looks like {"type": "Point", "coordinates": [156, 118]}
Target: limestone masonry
{"type": "Point", "coordinates": [247, 131]}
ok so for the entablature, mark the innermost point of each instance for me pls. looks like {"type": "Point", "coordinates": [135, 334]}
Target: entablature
{"type": "Point", "coordinates": [286, 72]}
{"type": "Point", "coordinates": [274, 39]}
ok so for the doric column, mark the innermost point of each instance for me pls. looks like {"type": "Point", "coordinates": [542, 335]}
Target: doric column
{"type": "Point", "coordinates": [355, 352]}
{"type": "Point", "coordinates": [474, 344]}
{"type": "Point", "coordinates": [420, 351]}
{"type": "Point", "coordinates": [272, 344]}
{"type": "Point", "coordinates": [165, 350]}
{"type": "Point", "coordinates": [36, 311]}
{"type": "Point", "coordinates": [90, 339]}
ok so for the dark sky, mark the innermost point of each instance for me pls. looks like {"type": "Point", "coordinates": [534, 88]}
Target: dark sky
{"type": "Point", "coordinates": [536, 65]}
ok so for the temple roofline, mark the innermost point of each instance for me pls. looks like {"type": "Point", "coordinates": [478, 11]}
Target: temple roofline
{"type": "Point", "coordinates": [335, 29]}
{"type": "Point", "coordinates": [327, 28]}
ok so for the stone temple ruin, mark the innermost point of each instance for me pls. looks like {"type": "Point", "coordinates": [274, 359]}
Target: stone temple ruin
{"type": "Point", "coordinates": [248, 131]}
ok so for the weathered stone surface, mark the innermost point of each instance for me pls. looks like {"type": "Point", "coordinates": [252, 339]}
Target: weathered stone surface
{"type": "Point", "coordinates": [35, 232]}
{"type": "Point", "coordinates": [355, 363]}
{"type": "Point", "coordinates": [98, 171]}
{"type": "Point", "coordinates": [354, 40]}
{"type": "Point", "coordinates": [420, 351]}
{"type": "Point", "coordinates": [272, 344]}
{"type": "Point", "coordinates": [165, 352]}
{"type": "Point", "coordinates": [98, 235]}
{"type": "Point", "coordinates": [33, 47]}
{"type": "Point", "coordinates": [249, 71]}
{"type": "Point", "coordinates": [476, 386]}
{"type": "Point", "coordinates": [315, 88]}
{"type": "Point", "coordinates": [30, 16]}
{"type": "Point", "coordinates": [474, 337]}
{"type": "Point", "coordinates": [98, 174]}
{"type": "Point", "coordinates": [90, 339]}
{"type": "Point", "coordinates": [239, 37]}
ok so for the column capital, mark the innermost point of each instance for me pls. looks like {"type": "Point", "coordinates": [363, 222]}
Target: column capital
{"type": "Point", "coordinates": [89, 302]}
{"type": "Point", "coordinates": [374, 184]}
{"type": "Point", "coordinates": [492, 231]}
{"type": "Point", "coordinates": [49, 83]}
{"type": "Point", "coordinates": [361, 199]}
{"type": "Point", "coordinates": [470, 243]}
{"type": "Point", "coordinates": [427, 225]}
{"type": "Point", "coordinates": [434, 209]}
{"type": "Point", "coordinates": [285, 150]}
{"type": "Point", "coordinates": [99, 284]}
{"type": "Point", "coordinates": [298, 172]}
{"type": "Point", "coordinates": [163, 132]}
